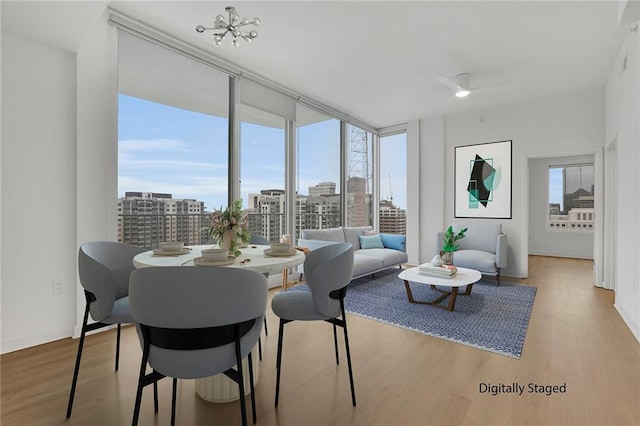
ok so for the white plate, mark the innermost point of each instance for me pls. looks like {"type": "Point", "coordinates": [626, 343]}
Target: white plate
{"type": "Point", "coordinates": [159, 252]}
{"type": "Point", "coordinates": [201, 262]}
{"type": "Point", "coordinates": [269, 253]}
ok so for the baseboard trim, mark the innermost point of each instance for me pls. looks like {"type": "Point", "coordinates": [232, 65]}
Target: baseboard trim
{"type": "Point", "coordinates": [550, 254]}
{"type": "Point", "coordinates": [635, 329]}
{"type": "Point", "coordinates": [31, 340]}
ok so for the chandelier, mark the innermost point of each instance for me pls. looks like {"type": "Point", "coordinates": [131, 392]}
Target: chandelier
{"type": "Point", "coordinates": [232, 26]}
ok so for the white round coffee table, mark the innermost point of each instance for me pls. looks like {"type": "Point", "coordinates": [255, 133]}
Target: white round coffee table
{"type": "Point", "coordinates": [464, 277]}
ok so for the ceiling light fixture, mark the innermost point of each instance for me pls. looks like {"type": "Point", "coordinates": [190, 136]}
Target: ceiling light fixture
{"type": "Point", "coordinates": [231, 26]}
{"type": "Point", "coordinates": [463, 81]}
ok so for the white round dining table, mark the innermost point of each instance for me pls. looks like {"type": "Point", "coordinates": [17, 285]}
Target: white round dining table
{"type": "Point", "coordinates": [220, 388]}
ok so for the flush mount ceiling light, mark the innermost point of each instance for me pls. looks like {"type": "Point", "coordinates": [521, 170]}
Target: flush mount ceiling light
{"type": "Point", "coordinates": [231, 26]}
{"type": "Point", "coordinates": [464, 85]}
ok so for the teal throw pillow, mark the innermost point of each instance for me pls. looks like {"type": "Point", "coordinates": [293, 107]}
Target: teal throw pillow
{"type": "Point", "coordinates": [394, 241]}
{"type": "Point", "coordinates": [370, 241]}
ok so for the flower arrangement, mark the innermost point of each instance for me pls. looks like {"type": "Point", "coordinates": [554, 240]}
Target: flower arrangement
{"type": "Point", "coordinates": [230, 227]}
{"type": "Point", "coordinates": [450, 238]}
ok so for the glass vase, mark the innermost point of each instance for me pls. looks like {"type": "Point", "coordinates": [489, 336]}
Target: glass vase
{"type": "Point", "coordinates": [447, 257]}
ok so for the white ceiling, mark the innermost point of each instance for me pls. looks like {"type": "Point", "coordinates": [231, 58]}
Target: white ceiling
{"type": "Point", "coordinates": [377, 61]}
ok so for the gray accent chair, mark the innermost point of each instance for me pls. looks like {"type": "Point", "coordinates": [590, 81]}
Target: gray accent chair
{"type": "Point", "coordinates": [197, 322]}
{"type": "Point", "coordinates": [484, 248]}
{"type": "Point", "coordinates": [104, 268]}
{"type": "Point", "coordinates": [328, 272]}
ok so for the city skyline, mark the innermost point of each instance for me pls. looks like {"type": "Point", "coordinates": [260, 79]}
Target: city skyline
{"type": "Point", "coordinates": [167, 149]}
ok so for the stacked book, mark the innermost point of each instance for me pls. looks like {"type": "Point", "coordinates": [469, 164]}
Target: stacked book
{"type": "Point", "coordinates": [444, 271]}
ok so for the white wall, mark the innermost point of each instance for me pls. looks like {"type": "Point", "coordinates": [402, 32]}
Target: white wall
{"type": "Point", "coordinates": [97, 147]}
{"type": "Point", "coordinates": [545, 241]}
{"type": "Point", "coordinates": [623, 123]}
{"type": "Point", "coordinates": [568, 124]}
{"type": "Point", "coordinates": [38, 192]}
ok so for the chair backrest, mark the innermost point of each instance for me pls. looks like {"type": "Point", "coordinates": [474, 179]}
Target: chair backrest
{"type": "Point", "coordinates": [327, 269]}
{"type": "Point", "coordinates": [259, 239]}
{"type": "Point", "coordinates": [188, 298]}
{"type": "Point", "coordinates": [481, 236]}
{"type": "Point", "coordinates": [104, 268]}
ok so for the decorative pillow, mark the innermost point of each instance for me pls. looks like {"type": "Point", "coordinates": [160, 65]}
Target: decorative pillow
{"type": "Point", "coordinates": [372, 232]}
{"type": "Point", "coordinates": [394, 241]}
{"type": "Point", "coordinates": [370, 241]}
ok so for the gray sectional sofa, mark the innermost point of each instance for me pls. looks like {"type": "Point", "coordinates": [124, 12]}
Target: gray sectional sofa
{"type": "Point", "coordinates": [366, 260]}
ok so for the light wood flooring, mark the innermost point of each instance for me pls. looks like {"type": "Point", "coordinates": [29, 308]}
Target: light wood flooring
{"type": "Point", "coordinates": [575, 336]}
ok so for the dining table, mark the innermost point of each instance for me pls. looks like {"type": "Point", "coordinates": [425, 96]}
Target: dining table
{"type": "Point", "coordinates": [258, 258]}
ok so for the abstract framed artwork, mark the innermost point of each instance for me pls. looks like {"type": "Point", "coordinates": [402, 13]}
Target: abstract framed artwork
{"type": "Point", "coordinates": [482, 180]}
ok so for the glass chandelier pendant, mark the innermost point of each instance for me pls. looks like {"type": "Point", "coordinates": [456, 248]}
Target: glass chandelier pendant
{"type": "Point", "coordinates": [231, 26]}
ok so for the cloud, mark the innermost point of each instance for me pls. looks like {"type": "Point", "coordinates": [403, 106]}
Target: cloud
{"type": "Point", "coordinates": [154, 144]}
{"type": "Point", "coordinates": [165, 165]}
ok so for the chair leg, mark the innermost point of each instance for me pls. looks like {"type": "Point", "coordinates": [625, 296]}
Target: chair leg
{"type": "Point", "coordinates": [346, 344]}
{"type": "Point", "coordinates": [74, 381]}
{"type": "Point", "coordinates": [266, 330]}
{"type": "Point", "coordinates": [335, 341]}
{"type": "Point", "coordinates": [155, 397]}
{"type": "Point", "coordinates": [260, 349]}
{"type": "Point", "coordinates": [498, 277]}
{"type": "Point", "coordinates": [251, 384]}
{"type": "Point", "coordinates": [118, 348]}
{"type": "Point", "coordinates": [173, 401]}
{"type": "Point", "coordinates": [243, 403]}
{"type": "Point", "coordinates": [136, 407]}
{"type": "Point", "coordinates": [279, 358]}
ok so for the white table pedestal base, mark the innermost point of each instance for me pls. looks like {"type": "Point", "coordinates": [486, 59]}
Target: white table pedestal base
{"type": "Point", "coordinates": [220, 388]}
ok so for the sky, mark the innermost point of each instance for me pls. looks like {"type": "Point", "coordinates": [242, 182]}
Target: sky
{"type": "Point", "coordinates": [184, 153]}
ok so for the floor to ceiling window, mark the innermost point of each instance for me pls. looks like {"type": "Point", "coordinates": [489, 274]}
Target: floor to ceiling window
{"type": "Point", "coordinates": [172, 144]}
{"type": "Point", "coordinates": [393, 184]}
{"type": "Point", "coordinates": [317, 170]}
{"type": "Point", "coordinates": [262, 171]}
{"type": "Point", "coordinates": [359, 177]}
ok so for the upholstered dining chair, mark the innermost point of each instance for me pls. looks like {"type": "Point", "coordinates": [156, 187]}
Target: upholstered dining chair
{"type": "Point", "coordinates": [195, 323]}
{"type": "Point", "coordinates": [104, 268]}
{"type": "Point", "coordinates": [259, 240]}
{"type": "Point", "coordinates": [328, 272]}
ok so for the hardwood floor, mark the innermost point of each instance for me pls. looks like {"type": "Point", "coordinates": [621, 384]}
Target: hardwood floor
{"type": "Point", "coordinates": [575, 336]}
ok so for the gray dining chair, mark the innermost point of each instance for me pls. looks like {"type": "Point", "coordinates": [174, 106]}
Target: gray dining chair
{"type": "Point", "coordinates": [104, 268]}
{"type": "Point", "coordinates": [195, 323]}
{"type": "Point", "coordinates": [258, 240]}
{"type": "Point", "coordinates": [328, 273]}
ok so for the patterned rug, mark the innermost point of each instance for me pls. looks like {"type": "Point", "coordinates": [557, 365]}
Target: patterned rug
{"type": "Point", "coordinates": [492, 318]}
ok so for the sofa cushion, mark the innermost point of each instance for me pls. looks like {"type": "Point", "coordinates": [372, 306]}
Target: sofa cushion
{"type": "Point", "coordinates": [363, 265]}
{"type": "Point", "coordinates": [480, 237]}
{"type": "Point", "coordinates": [475, 259]}
{"type": "Point", "coordinates": [330, 234]}
{"type": "Point", "coordinates": [387, 256]}
{"type": "Point", "coordinates": [394, 241]}
{"type": "Point", "coordinates": [351, 234]}
{"type": "Point", "coordinates": [370, 242]}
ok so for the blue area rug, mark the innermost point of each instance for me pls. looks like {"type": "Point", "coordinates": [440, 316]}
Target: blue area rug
{"type": "Point", "coordinates": [492, 318]}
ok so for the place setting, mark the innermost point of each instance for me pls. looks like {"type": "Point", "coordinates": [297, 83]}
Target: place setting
{"type": "Point", "coordinates": [171, 248]}
{"type": "Point", "coordinates": [281, 249]}
{"type": "Point", "coordinates": [214, 257]}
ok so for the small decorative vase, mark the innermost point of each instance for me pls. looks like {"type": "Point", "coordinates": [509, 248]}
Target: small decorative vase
{"type": "Point", "coordinates": [228, 241]}
{"type": "Point", "coordinates": [447, 257]}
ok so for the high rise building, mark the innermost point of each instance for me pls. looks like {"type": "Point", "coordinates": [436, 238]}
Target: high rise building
{"type": "Point", "coordinates": [146, 218]}
{"type": "Point", "coordinates": [393, 220]}
{"type": "Point", "coordinates": [323, 188]}
{"type": "Point", "coordinates": [358, 202]}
